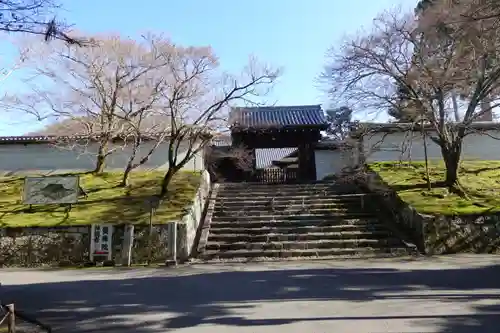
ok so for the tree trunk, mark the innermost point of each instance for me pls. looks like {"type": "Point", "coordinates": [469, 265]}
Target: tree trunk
{"type": "Point", "coordinates": [166, 182]}
{"type": "Point", "coordinates": [451, 159]}
{"type": "Point", "coordinates": [125, 176]}
{"type": "Point", "coordinates": [426, 156]}
{"type": "Point", "coordinates": [99, 168]}
{"type": "Point", "coordinates": [455, 106]}
{"type": "Point", "coordinates": [130, 164]}
{"type": "Point", "coordinates": [101, 159]}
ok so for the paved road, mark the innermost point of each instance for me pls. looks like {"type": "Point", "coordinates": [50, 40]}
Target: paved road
{"type": "Point", "coordinates": [453, 294]}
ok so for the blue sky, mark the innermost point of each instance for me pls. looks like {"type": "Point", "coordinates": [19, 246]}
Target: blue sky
{"type": "Point", "coordinates": [285, 33]}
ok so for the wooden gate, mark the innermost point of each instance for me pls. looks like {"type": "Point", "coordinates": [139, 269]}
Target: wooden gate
{"type": "Point", "coordinates": [275, 176]}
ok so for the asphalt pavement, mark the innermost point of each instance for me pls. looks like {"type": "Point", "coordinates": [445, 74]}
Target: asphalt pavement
{"type": "Point", "coordinates": [456, 294]}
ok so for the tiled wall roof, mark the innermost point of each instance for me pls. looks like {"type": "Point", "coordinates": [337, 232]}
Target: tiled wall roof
{"type": "Point", "coordinates": [35, 139]}
{"type": "Point", "coordinates": [52, 139]}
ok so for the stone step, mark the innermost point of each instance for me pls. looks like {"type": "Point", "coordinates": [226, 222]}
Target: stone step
{"type": "Point", "coordinates": [247, 224]}
{"type": "Point", "coordinates": [246, 197]}
{"type": "Point", "coordinates": [258, 184]}
{"type": "Point", "coordinates": [321, 209]}
{"type": "Point", "coordinates": [303, 245]}
{"type": "Point", "coordinates": [278, 236]}
{"type": "Point", "coordinates": [360, 228]}
{"type": "Point", "coordinates": [287, 212]}
{"type": "Point", "coordinates": [295, 217]}
{"type": "Point", "coordinates": [313, 253]}
{"type": "Point", "coordinates": [263, 202]}
{"type": "Point", "coordinates": [329, 184]}
{"type": "Point", "coordinates": [279, 194]}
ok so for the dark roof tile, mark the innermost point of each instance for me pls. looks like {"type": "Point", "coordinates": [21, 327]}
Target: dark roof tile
{"type": "Point", "coordinates": [278, 116]}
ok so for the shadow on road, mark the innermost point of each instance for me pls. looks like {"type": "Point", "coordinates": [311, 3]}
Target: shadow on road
{"type": "Point", "coordinates": [216, 298]}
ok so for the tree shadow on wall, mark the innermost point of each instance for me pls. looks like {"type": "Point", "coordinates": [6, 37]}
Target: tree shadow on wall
{"type": "Point", "coordinates": [160, 300]}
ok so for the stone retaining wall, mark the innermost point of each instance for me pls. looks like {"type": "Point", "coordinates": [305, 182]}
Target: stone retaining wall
{"type": "Point", "coordinates": [141, 247]}
{"type": "Point", "coordinates": [453, 234]}
{"type": "Point", "coordinates": [435, 234]}
{"type": "Point", "coordinates": [403, 218]}
{"type": "Point", "coordinates": [44, 246]}
{"type": "Point", "coordinates": [70, 246]}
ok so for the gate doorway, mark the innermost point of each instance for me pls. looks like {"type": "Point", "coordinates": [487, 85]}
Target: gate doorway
{"type": "Point", "coordinates": [294, 128]}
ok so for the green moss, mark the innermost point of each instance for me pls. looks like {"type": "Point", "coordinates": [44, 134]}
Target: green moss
{"type": "Point", "coordinates": [479, 179]}
{"type": "Point", "coordinates": [105, 201]}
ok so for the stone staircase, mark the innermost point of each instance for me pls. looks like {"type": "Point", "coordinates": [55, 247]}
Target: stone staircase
{"type": "Point", "coordinates": [252, 221]}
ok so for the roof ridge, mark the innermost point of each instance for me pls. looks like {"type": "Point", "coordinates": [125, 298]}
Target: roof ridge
{"type": "Point", "coordinates": [256, 108]}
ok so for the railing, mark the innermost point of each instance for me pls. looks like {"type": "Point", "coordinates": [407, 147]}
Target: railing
{"type": "Point", "coordinates": [9, 318]}
{"type": "Point", "coordinates": [275, 176]}
{"type": "Point", "coordinates": [9, 321]}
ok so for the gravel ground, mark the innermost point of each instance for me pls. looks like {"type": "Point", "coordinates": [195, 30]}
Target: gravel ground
{"type": "Point", "coordinates": [443, 294]}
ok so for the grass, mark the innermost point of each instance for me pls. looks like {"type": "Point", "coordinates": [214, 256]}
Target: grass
{"type": "Point", "coordinates": [105, 202]}
{"type": "Point", "coordinates": [479, 179]}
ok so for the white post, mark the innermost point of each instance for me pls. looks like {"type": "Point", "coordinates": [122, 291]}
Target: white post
{"type": "Point", "coordinates": [110, 242]}
{"type": "Point", "coordinates": [92, 242]}
{"type": "Point", "coordinates": [172, 243]}
{"type": "Point", "coordinates": [128, 242]}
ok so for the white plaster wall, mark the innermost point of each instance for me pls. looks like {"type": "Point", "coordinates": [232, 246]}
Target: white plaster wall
{"type": "Point", "coordinates": [379, 147]}
{"type": "Point", "coordinates": [330, 162]}
{"type": "Point", "coordinates": [49, 158]}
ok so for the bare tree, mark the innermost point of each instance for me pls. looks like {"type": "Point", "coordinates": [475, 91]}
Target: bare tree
{"type": "Point", "coordinates": [429, 63]}
{"type": "Point", "coordinates": [8, 69]}
{"type": "Point", "coordinates": [187, 105]}
{"type": "Point", "coordinates": [475, 10]}
{"type": "Point", "coordinates": [466, 13]}
{"type": "Point", "coordinates": [228, 161]}
{"type": "Point", "coordinates": [340, 121]}
{"type": "Point", "coordinates": [96, 92]}
{"type": "Point", "coordinates": [143, 124]}
{"type": "Point", "coordinates": [35, 17]}
{"type": "Point", "coordinates": [140, 91]}
{"type": "Point", "coordinates": [197, 100]}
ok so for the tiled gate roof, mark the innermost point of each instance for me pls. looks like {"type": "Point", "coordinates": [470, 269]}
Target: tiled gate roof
{"type": "Point", "coordinates": [278, 116]}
